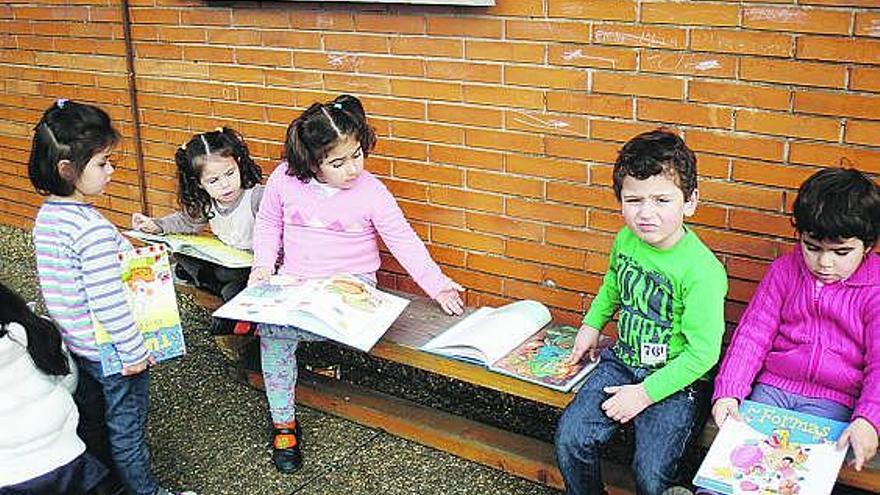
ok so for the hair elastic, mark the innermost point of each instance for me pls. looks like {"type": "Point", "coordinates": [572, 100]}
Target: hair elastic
{"type": "Point", "coordinates": [219, 129]}
{"type": "Point", "coordinates": [60, 102]}
{"type": "Point", "coordinates": [337, 105]}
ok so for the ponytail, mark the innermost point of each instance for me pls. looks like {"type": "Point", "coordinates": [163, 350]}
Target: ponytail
{"type": "Point", "coordinates": [43, 338]}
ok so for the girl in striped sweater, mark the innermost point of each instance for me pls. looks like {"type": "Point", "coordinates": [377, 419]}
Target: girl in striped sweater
{"type": "Point", "coordinates": [79, 276]}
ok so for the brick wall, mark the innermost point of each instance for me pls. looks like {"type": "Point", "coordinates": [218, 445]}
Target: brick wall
{"type": "Point", "coordinates": [498, 126]}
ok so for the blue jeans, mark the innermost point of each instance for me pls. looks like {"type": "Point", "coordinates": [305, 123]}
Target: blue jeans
{"type": "Point", "coordinates": [113, 419]}
{"type": "Point", "coordinates": [662, 432]}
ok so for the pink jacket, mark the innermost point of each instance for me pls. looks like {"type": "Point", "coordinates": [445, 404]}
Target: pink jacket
{"type": "Point", "coordinates": [816, 342]}
{"type": "Point", "coordinates": [325, 235]}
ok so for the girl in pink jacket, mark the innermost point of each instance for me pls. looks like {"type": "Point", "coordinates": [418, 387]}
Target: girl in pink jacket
{"type": "Point", "coordinates": [810, 338]}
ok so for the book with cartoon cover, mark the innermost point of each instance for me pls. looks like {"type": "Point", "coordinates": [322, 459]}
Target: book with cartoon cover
{"type": "Point", "coordinates": [343, 308]}
{"type": "Point", "coordinates": [204, 247]}
{"type": "Point", "coordinates": [149, 290]}
{"type": "Point", "coordinates": [773, 451]}
{"type": "Point", "coordinates": [516, 340]}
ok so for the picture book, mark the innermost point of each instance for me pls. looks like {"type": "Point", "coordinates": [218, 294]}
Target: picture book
{"type": "Point", "coordinates": [773, 451]}
{"type": "Point", "coordinates": [204, 247]}
{"type": "Point", "coordinates": [149, 289]}
{"type": "Point", "coordinates": [516, 340]}
{"type": "Point", "coordinates": [342, 308]}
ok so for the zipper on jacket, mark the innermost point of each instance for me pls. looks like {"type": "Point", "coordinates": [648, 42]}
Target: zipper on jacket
{"type": "Point", "coordinates": [817, 329]}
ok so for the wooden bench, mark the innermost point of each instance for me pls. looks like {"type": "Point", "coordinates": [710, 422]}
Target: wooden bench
{"type": "Point", "coordinates": [513, 453]}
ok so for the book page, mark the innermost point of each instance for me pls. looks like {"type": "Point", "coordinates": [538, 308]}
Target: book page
{"type": "Point", "coordinates": [199, 246]}
{"type": "Point", "coordinates": [775, 451]}
{"type": "Point", "coordinates": [487, 334]}
{"type": "Point", "coordinates": [341, 308]}
{"type": "Point", "coordinates": [543, 359]}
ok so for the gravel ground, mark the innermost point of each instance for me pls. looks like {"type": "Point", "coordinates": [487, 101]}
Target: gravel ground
{"type": "Point", "coordinates": [210, 433]}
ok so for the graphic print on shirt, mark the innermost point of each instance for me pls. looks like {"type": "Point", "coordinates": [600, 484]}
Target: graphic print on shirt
{"type": "Point", "coordinates": [644, 326]}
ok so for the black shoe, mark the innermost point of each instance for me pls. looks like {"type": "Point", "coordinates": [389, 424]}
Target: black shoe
{"type": "Point", "coordinates": [287, 448]}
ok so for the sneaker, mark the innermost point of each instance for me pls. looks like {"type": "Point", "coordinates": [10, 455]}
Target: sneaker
{"type": "Point", "coordinates": [287, 447]}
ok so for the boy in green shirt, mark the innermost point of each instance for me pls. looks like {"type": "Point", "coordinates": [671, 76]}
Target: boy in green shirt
{"type": "Point", "coordinates": [669, 290]}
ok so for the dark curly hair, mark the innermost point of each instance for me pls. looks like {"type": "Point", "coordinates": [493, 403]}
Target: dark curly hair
{"type": "Point", "coordinates": [838, 203]}
{"type": "Point", "coordinates": [320, 127]}
{"type": "Point", "coordinates": [651, 153]}
{"type": "Point", "coordinates": [190, 159]}
{"type": "Point", "coordinates": [67, 131]}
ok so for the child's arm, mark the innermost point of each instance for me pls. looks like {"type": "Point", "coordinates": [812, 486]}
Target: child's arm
{"type": "Point", "coordinates": [102, 282]}
{"type": "Point", "coordinates": [268, 227]}
{"type": "Point", "coordinates": [862, 431]}
{"type": "Point", "coordinates": [411, 252]}
{"type": "Point", "coordinates": [862, 436]}
{"type": "Point", "coordinates": [175, 223]}
{"type": "Point", "coordinates": [601, 310]}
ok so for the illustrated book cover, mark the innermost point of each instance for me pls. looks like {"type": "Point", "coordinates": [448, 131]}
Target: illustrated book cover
{"type": "Point", "coordinates": [773, 451]}
{"type": "Point", "coordinates": [204, 247]}
{"type": "Point", "coordinates": [149, 289]}
{"type": "Point", "coordinates": [342, 308]}
{"type": "Point", "coordinates": [516, 340]}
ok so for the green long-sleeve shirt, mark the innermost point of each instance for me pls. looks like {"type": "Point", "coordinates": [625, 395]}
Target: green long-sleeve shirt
{"type": "Point", "coordinates": [671, 305]}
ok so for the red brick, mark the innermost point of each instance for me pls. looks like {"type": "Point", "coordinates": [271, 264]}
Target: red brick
{"type": "Point", "coordinates": [531, 8]}
{"type": "Point", "coordinates": [355, 43]}
{"type": "Point", "coordinates": [676, 113]}
{"type": "Point", "coordinates": [639, 85]}
{"type": "Point", "coordinates": [406, 189]}
{"type": "Point", "coordinates": [798, 20]}
{"type": "Point", "coordinates": [836, 104]}
{"type": "Point", "coordinates": [537, 210]}
{"type": "Point", "coordinates": [695, 64]}
{"type": "Point", "coordinates": [505, 51]}
{"type": "Point", "coordinates": [741, 42]}
{"type": "Point", "coordinates": [603, 57]}
{"type": "Point", "coordinates": [206, 17]}
{"type": "Point", "coordinates": [550, 168]}
{"type": "Point", "coordinates": [469, 200]}
{"type": "Point", "coordinates": [735, 243]}
{"type": "Point", "coordinates": [582, 149]}
{"type": "Point", "coordinates": [208, 54]}
{"type": "Point", "coordinates": [599, 197]}
{"type": "Point", "coordinates": [463, 71]}
{"type": "Point", "coordinates": [262, 18]}
{"type": "Point", "coordinates": [547, 30]}
{"type": "Point", "coordinates": [741, 195]}
{"type": "Point", "coordinates": [502, 183]}
{"type": "Point", "coordinates": [466, 156]}
{"type": "Point", "coordinates": [616, 130]}
{"type": "Point", "coordinates": [865, 79]}
{"type": "Point", "coordinates": [396, 24]}
{"type": "Point", "coordinates": [590, 104]}
{"type": "Point", "coordinates": [761, 222]}
{"type": "Point", "coordinates": [471, 27]}
{"type": "Point", "coordinates": [746, 95]}
{"type": "Point", "coordinates": [283, 39]}
{"type": "Point", "coordinates": [541, 253]}
{"type": "Point", "coordinates": [475, 281]}
{"type": "Point", "coordinates": [357, 84]}
{"type": "Point", "coordinates": [788, 125]}
{"type": "Point", "coordinates": [393, 107]}
{"type": "Point", "coordinates": [827, 155]}
{"type": "Point", "coordinates": [793, 72]}
{"type": "Point", "coordinates": [469, 115]}
{"type": "Point", "coordinates": [837, 49]}
{"type": "Point", "coordinates": [545, 77]}
{"type": "Point", "coordinates": [690, 14]}
{"type": "Point", "coordinates": [411, 67]}
{"type": "Point", "coordinates": [236, 74]}
{"type": "Point", "coordinates": [432, 90]}
{"type": "Point", "coordinates": [505, 226]}
{"type": "Point", "coordinates": [746, 269]}
{"type": "Point", "coordinates": [770, 174]}
{"type": "Point", "coordinates": [579, 239]}
{"type": "Point", "coordinates": [434, 47]}
{"type": "Point", "coordinates": [429, 173]}
{"type": "Point", "coordinates": [862, 132]}
{"type": "Point", "coordinates": [608, 10]}
{"type": "Point", "coordinates": [521, 142]}
{"type": "Point", "coordinates": [627, 35]}
{"type": "Point", "coordinates": [867, 24]}
{"type": "Point", "coordinates": [735, 145]}
{"type": "Point", "coordinates": [432, 213]}
{"type": "Point", "coordinates": [468, 240]}
{"type": "Point", "coordinates": [504, 267]}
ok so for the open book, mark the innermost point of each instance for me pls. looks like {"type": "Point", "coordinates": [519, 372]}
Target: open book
{"type": "Point", "coordinates": [149, 289]}
{"type": "Point", "coordinates": [515, 340]}
{"type": "Point", "coordinates": [199, 246]}
{"type": "Point", "coordinates": [342, 308]}
{"type": "Point", "coordinates": [773, 450]}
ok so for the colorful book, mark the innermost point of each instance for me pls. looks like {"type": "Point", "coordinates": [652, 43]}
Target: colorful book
{"type": "Point", "coordinates": [207, 248]}
{"type": "Point", "coordinates": [773, 451]}
{"type": "Point", "coordinates": [342, 308]}
{"type": "Point", "coordinates": [149, 289]}
{"type": "Point", "coordinates": [516, 340]}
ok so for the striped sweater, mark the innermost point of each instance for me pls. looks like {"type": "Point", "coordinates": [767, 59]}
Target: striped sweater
{"type": "Point", "coordinates": [79, 274]}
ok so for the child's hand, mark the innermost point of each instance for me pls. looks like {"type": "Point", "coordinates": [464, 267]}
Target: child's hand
{"type": "Point", "coordinates": [144, 224]}
{"type": "Point", "coordinates": [862, 437]}
{"type": "Point", "coordinates": [139, 367]}
{"type": "Point", "coordinates": [586, 341]}
{"type": "Point", "coordinates": [626, 402]}
{"type": "Point", "coordinates": [259, 275]}
{"type": "Point", "coordinates": [725, 407]}
{"type": "Point", "coordinates": [450, 300]}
